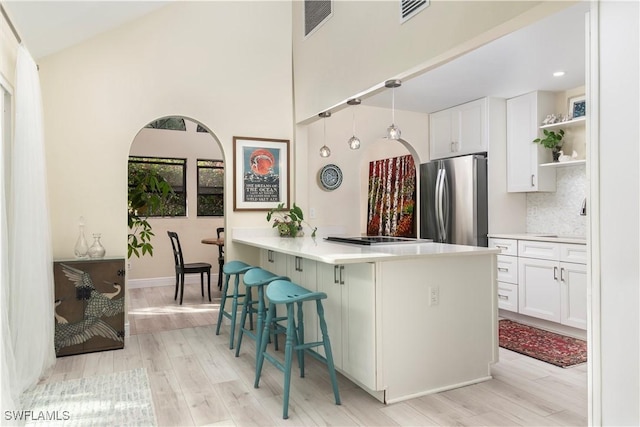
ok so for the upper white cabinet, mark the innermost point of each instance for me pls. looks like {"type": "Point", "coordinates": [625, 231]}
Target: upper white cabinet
{"type": "Point", "coordinates": [524, 115]}
{"type": "Point", "coordinates": [459, 130]}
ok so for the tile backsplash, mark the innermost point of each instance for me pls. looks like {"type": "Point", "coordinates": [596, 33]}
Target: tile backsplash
{"type": "Point", "coordinates": [559, 212]}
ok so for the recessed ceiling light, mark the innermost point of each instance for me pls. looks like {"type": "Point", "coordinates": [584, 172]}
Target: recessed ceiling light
{"type": "Point", "coordinates": [558, 74]}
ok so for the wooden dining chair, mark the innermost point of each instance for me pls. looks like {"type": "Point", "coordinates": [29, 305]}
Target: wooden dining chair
{"type": "Point", "coordinates": [220, 231]}
{"type": "Point", "coordinates": [190, 268]}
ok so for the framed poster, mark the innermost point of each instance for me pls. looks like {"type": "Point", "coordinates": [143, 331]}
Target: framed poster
{"type": "Point", "coordinates": [577, 107]}
{"type": "Point", "coordinates": [260, 173]}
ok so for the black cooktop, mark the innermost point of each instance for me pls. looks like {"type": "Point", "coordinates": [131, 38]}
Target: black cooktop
{"type": "Point", "coordinates": [373, 240]}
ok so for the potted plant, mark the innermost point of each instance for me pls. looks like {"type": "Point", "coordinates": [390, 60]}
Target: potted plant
{"type": "Point", "coordinates": [552, 140]}
{"type": "Point", "coordinates": [289, 222]}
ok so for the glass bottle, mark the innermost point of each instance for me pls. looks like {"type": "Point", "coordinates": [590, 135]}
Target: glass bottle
{"type": "Point", "coordinates": [96, 250]}
{"type": "Point", "coordinates": [81, 248]}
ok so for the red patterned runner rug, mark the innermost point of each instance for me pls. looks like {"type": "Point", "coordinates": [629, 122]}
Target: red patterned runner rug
{"type": "Point", "coordinates": [547, 346]}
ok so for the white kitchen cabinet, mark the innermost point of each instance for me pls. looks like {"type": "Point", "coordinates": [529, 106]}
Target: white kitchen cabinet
{"type": "Point", "coordinates": [524, 157]}
{"type": "Point", "coordinates": [459, 130]}
{"type": "Point", "coordinates": [507, 275]}
{"type": "Point", "coordinates": [350, 316]}
{"type": "Point", "coordinates": [551, 288]}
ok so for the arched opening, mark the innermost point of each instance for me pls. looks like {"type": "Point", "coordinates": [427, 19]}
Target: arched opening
{"type": "Point", "coordinates": [192, 160]}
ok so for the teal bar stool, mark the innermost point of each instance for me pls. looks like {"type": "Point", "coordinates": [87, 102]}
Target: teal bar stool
{"type": "Point", "coordinates": [235, 268]}
{"type": "Point", "coordinates": [255, 278]}
{"type": "Point", "coordinates": [288, 293]}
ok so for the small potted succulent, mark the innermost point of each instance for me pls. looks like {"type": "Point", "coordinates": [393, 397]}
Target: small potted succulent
{"type": "Point", "coordinates": [552, 140]}
{"type": "Point", "coordinates": [289, 222]}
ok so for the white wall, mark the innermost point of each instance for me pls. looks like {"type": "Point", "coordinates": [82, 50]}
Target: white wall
{"type": "Point", "coordinates": [619, 233]}
{"type": "Point", "coordinates": [362, 44]}
{"type": "Point", "coordinates": [224, 64]}
{"type": "Point", "coordinates": [190, 145]}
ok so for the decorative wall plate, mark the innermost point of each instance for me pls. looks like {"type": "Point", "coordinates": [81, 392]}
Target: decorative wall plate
{"type": "Point", "coordinates": [330, 177]}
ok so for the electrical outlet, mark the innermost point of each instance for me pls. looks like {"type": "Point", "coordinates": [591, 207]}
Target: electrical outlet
{"type": "Point", "coordinates": [434, 295]}
{"type": "Point", "coordinates": [312, 213]}
{"type": "Point", "coordinates": [128, 266]}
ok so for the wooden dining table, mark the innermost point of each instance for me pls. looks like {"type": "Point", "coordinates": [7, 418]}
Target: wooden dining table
{"type": "Point", "coordinates": [220, 243]}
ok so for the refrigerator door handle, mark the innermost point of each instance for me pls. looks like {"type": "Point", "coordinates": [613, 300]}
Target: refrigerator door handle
{"type": "Point", "coordinates": [437, 205]}
{"type": "Point", "coordinates": [445, 204]}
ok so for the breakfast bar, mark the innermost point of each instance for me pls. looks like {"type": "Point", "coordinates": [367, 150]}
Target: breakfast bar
{"type": "Point", "coordinates": [404, 319]}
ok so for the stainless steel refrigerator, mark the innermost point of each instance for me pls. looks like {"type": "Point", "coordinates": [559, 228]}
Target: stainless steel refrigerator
{"type": "Point", "coordinates": [453, 200]}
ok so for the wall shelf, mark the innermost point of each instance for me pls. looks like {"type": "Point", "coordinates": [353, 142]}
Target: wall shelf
{"type": "Point", "coordinates": [580, 121]}
{"type": "Point", "coordinates": [564, 164]}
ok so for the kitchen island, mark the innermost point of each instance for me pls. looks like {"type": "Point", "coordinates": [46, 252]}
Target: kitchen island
{"type": "Point", "coordinates": [404, 320]}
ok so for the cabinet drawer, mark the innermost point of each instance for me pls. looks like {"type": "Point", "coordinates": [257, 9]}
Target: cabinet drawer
{"type": "Point", "coordinates": [508, 269]}
{"type": "Point", "coordinates": [540, 250]}
{"type": "Point", "coordinates": [508, 246]}
{"type": "Point", "coordinates": [508, 296]}
{"type": "Point", "coordinates": [573, 253]}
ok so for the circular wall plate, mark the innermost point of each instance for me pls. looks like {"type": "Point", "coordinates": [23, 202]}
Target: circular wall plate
{"type": "Point", "coordinates": [330, 177]}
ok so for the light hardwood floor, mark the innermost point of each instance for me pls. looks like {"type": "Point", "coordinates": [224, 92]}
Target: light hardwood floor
{"type": "Point", "coordinates": [196, 380]}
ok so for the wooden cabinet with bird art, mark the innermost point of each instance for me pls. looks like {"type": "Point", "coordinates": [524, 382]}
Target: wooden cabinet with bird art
{"type": "Point", "coordinates": [89, 305]}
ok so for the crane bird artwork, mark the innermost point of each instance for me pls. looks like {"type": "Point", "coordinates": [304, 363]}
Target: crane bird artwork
{"type": "Point", "coordinates": [97, 306]}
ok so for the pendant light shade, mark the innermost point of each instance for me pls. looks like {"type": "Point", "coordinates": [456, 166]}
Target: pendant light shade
{"type": "Point", "coordinates": [354, 141]}
{"type": "Point", "coordinates": [324, 150]}
{"type": "Point", "coordinates": [393, 131]}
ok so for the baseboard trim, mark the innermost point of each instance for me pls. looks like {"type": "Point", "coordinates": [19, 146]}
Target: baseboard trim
{"type": "Point", "coordinates": [168, 281]}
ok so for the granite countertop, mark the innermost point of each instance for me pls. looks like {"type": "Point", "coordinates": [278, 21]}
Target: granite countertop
{"type": "Point", "coordinates": [319, 249]}
{"type": "Point", "coordinates": [541, 237]}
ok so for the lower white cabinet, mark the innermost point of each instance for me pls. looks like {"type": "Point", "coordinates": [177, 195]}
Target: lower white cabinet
{"type": "Point", "coordinates": [551, 288]}
{"type": "Point", "coordinates": [546, 280]}
{"type": "Point", "coordinates": [350, 316]}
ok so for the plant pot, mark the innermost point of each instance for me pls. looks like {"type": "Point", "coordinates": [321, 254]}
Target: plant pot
{"type": "Point", "coordinates": [556, 155]}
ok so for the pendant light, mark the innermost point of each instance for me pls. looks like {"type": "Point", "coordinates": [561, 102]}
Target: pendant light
{"type": "Point", "coordinates": [354, 141]}
{"type": "Point", "coordinates": [393, 132]}
{"type": "Point", "coordinates": [324, 150]}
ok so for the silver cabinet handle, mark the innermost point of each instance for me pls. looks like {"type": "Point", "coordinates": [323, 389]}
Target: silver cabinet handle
{"type": "Point", "coordinates": [532, 177]}
{"type": "Point", "coordinates": [562, 274]}
{"type": "Point", "coordinates": [298, 263]}
{"type": "Point", "coordinates": [503, 269]}
{"type": "Point", "coordinates": [503, 297]}
{"type": "Point", "coordinates": [342, 274]}
{"type": "Point", "coordinates": [555, 273]}
{"type": "Point", "coordinates": [453, 144]}
{"type": "Point", "coordinates": [270, 256]}
{"type": "Point", "coordinates": [502, 247]}
{"type": "Point", "coordinates": [335, 274]}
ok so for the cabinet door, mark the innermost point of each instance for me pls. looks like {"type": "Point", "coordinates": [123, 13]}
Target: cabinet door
{"type": "Point", "coordinates": [573, 284]}
{"type": "Point", "coordinates": [472, 129]}
{"type": "Point", "coordinates": [329, 283]}
{"type": "Point", "coordinates": [523, 155]}
{"type": "Point", "coordinates": [303, 272]}
{"type": "Point", "coordinates": [442, 126]}
{"type": "Point", "coordinates": [358, 323]}
{"type": "Point", "coordinates": [89, 305]}
{"type": "Point", "coordinates": [274, 262]}
{"type": "Point", "coordinates": [539, 290]}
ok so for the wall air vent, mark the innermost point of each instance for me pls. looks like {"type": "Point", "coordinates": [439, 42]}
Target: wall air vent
{"type": "Point", "coordinates": [316, 13]}
{"type": "Point", "coordinates": [410, 8]}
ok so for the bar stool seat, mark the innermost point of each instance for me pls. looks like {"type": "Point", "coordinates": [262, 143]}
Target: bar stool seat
{"type": "Point", "coordinates": [232, 268]}
{"type": "Point", "coordinates": [288, 293]}
{"type": "Point", "coordinates": [255, 278]}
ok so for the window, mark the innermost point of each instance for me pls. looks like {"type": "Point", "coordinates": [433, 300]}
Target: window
{"type": "Point", "coordinates": [210, 188]}
{"type": "Point", "coordinates": [172, 170]}
{"type": "Point", "coordinates": [169, 123]}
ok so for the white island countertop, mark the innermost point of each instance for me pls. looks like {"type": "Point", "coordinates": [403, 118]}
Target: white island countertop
{"type": "Point", "coordinates": [318, 249]}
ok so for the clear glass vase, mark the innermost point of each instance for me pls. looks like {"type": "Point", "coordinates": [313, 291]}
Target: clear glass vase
{"type": "Point", "coordinates": [96, 250]}
{"type": "Point", "coordinates": [81, 248]}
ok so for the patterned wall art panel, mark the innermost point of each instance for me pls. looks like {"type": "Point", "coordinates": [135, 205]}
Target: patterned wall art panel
{"type": "Point", "coordinates": [392, 197]}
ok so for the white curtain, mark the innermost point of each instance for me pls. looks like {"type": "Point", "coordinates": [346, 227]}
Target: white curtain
{"type": "Point", "coordinates": [31, 296]}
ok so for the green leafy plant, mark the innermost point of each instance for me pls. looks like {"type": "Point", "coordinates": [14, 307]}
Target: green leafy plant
{"type": "Point", "coordinates": [551, 139]}
{"type": "Point", "coordinates": [148, 191]}
{"type": "Point", "coordinates": [288, 222]}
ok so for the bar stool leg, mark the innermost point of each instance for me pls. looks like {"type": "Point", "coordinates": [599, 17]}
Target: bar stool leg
{"type": "Point", "coordinates": [327, 350]}
{"type": "Point", "coordinates": [223, 301]}
{"type": "Point", "coordinates": [288, 356]}
{"type": "Point", "coordinates": [243, 318]}
{"type": "Point", "coordinates": [261, 321]}
{"type": "Point", "coordinates": [263, 344]}
{"type": "Point", "coordinates": [300, 339]}
{"type": "Point", "coordinates": [234, 311]}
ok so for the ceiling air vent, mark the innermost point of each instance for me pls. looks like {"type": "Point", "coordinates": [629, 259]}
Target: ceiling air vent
{"type": "Point", "coordinates": [316, 13]}
{"type": "Point", "coordinates": [410, 8]}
